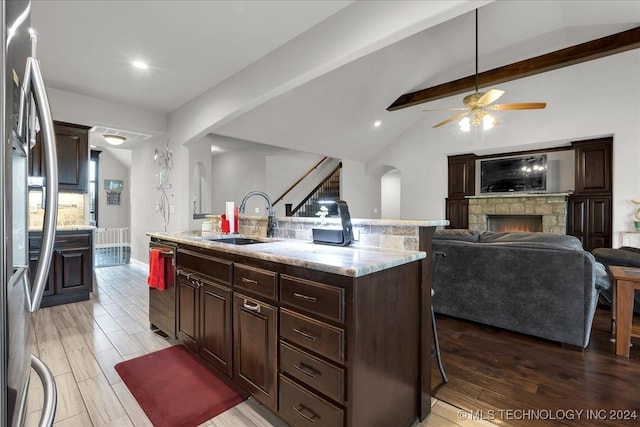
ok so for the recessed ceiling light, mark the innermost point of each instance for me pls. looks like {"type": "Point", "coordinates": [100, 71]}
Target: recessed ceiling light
{"type": "Point", "coordinates": [215, 149]}
{"type": "Point", "coordinates": [377, 123]}
{"type": "Point", "coordinates": [140, 64]}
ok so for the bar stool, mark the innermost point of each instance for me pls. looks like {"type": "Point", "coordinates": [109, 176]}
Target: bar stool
{"type": "Point", "coordinates": [436, 344]}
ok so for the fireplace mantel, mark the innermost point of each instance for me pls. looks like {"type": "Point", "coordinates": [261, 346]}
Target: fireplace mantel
{"type": "Point", "coordinates": [503, 195]}
{"type": "Point", "coordinates": [552, 207]}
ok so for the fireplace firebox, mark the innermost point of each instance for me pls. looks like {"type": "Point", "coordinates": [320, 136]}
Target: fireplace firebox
{"type": "Point", "coordinates": [502, 223]}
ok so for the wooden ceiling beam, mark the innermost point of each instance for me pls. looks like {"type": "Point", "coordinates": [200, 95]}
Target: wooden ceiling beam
{"type": "Point", "coordinates": [610, 45]}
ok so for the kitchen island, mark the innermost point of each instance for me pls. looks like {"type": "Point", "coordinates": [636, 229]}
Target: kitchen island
{"type": "Point", "coordinates": [322, 335]}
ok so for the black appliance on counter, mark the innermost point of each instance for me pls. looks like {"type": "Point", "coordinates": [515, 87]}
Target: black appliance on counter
{"type": "Point", "coordinates": [162, 303]}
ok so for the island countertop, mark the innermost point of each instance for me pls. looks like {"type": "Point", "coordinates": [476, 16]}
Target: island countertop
{"type": "Point", "coordinates": [352, 261]}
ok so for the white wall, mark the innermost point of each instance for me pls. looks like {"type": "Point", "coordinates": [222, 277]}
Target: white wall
{"type": "Point", "coordinates": [355, 187]}
{"type": "Point", "coordinates": [390, 192]}
{"type": "Point", "coordinates": [145, 194]}
{"type": "Point", "coordinates": [588, 100]}
{"type": "Point", "coordinates": [282, 169]}
{"type": "Point", "coordinates": [113, 216]}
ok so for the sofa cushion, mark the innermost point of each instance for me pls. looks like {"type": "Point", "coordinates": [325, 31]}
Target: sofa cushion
{"type": "Point", "coordinates": [558, 240]}
{"type": "Point", "coordinates": [625, 256]}
{"type": "Point", "coordinates": [602, 277]}
{"type": "Point", "coordinates": [457, 234]}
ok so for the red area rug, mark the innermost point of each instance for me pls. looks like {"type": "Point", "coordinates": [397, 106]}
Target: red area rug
{"type": "Point", "coordinates": [175, 388]}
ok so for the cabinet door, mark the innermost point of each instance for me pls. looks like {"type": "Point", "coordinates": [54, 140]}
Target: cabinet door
{"type": "Point", "coordinates": [216, 330]}
{"type": "Point", "coordinates": [590, 221]}
{"type": "Point", "coordinates": [462, 175]}
{"type": "Point", "coordinates": [187, 316]}
{"type": "Point", "coordinates": [72, 270]}
{"type": "Point", "coordinates": [599, 223]}
{"type": "Point", "coordinates": [33, 264]}
{"type": "Point", "coordinates": [72, 145]}
{"type": "Point", "coordinates": [255, 330]}
{"type": "Point", "coordinates": [593, 166]}
{"type": "Point", "coordinates": [578, 224]}
{"type": "Point", "coordinates": [457, 212]}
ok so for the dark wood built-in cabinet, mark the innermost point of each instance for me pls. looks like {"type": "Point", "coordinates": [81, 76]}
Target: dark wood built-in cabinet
{"type": "Point", "coordinates": [461, 183]}
{"type": "Point", "coordinates": [72, 146]}
{"type": "Point", "coordinates": [590, 206]}
{"type": "Point", "coordinates": [70, 277]}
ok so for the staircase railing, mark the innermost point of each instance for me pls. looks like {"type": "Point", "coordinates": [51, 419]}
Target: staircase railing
{"type": "Point", "coordinates": [300, 180]}
{"type": "Point", "coordinates": [328, 189]}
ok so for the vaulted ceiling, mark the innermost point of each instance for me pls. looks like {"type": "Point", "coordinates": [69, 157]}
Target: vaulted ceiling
{"type": "Point", "coordinates": [307, 75]}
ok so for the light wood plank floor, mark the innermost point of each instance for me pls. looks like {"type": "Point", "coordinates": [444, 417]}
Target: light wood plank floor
{"type": "Point", "coordinates": [81, 343]}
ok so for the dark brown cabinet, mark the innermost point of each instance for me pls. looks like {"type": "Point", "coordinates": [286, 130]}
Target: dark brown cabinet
{"type": "Point", "coordinates": [255, 334]}
{"type": "Point", "coordinates": [590, 221]}
{"type": "Point", "coordinates": [590, 207]}
{"type": "Point", "coordinates": [72, 145]}
{"type": "Point", "coordinates": [204, 321]}
{"type": "Point", "coordinates": [70, 277]}
{"type": "Point", "coordinates": [315, 348]}
{"type": "Point", "coordinates": [593, 166]}
{"type": "Point", "coordinates": [461, 175]}
{"type": "Point", "coordinates": [457, 212]}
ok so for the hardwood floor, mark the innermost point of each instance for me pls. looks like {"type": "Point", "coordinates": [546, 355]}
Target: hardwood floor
{"type": "Point", "coordinates": [525, 381]}
{"type": "Point", "coordinates": [81, 342]}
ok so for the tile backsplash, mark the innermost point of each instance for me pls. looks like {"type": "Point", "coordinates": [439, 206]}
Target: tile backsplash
{"type": "Point", "coordinates": [70, 209]}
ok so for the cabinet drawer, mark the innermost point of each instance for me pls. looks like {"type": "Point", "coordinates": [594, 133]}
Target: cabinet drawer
{"type": "Point", "coordinates": [300, 407]}
{"type": "Point", "coordinates": [316, 336]}
{"type": "Point", "coordinates": [323, 300]}
{"type": "Point", "coordinates": [325, 378]}
{"type": "Point", "coordinates": [80, 240]}
{"type": "Point", "coordinates": [256, 280]}
{"type": "Point", "coordinates": [217, 269]}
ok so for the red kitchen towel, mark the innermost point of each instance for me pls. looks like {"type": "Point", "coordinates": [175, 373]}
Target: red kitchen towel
{"type": "Point", "coordinates": [156, 269]}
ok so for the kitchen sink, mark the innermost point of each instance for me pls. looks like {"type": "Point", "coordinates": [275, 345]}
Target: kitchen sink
{"type": "Point", "coordinates": [235, 240]}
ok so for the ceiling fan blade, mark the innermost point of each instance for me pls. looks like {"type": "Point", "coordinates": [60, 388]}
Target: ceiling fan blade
{"type": "Point", "coordinates": [448, 109]}
{"type": "Point", "coordinates": [451, 119]}
{"type": "Point", "coordinates": [518, 106]}
{"type": "Point", "coordinates": [489, 97]}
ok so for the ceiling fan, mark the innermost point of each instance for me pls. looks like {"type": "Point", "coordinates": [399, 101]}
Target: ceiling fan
{"type": "Point", "coordinates": [477, 105]}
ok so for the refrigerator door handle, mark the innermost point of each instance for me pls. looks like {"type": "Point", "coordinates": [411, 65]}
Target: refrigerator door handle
{"type": "Point", "coordinates": [33, 83]}
{"type": "Point", "coordinates": [50, 393]}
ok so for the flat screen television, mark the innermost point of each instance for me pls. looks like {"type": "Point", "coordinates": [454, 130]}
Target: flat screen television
{"type": "Point", "coordinates": [513, 174]}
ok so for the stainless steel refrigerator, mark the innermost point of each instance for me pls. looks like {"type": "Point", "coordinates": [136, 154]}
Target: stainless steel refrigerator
{"type": "Point", "coordinates": [24, 108]}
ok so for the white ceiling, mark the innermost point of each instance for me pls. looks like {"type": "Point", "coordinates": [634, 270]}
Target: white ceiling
{"type": "Point", "coordinates": [196, 47]}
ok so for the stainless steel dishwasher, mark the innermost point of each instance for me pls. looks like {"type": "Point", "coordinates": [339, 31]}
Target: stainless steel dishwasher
{"type": "Point", "coordinates": [162, 304]}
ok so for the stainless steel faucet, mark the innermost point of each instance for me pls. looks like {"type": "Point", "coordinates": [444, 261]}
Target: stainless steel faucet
{"type": "Point", "coordinates": [271, 222]}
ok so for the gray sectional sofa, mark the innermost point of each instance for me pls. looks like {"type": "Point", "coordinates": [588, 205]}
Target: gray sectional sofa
{"type": "Point", "coordinates": [538, 284]}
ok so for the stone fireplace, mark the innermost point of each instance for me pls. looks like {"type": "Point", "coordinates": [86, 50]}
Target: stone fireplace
{"type": "Point", "coordinates": [517, 212]}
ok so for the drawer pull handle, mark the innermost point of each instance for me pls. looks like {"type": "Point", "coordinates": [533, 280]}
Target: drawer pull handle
{"type": "Point", "coordinates": [306, 370]}
{"type": "Point", "coordinates": [304, 297]}
{"type": "Point", "coordinates": [304, 334]}
{"type": "Point", "coordinates": [250, 306]}
{"type": "Point", "coordinates": [245, 280]}
{"type": "Point", "coordinates": [311, 418]}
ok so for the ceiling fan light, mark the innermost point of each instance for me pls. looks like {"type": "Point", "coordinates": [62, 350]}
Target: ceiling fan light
{"type": "Point", "coordinates": [465, 124]}
{"type": "Point", "coordinates": [488, 121]}
{"type": "Point", "coordinates": [114, 139]}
